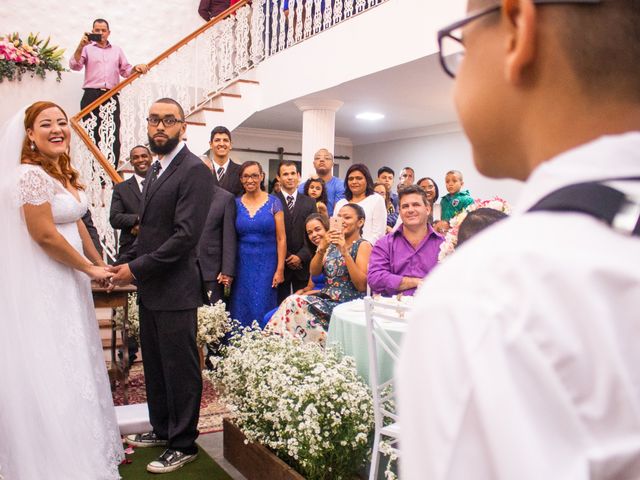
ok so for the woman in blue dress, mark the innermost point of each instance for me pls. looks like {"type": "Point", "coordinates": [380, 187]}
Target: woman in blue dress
{"type": "Point", "coordinates": [262, 246]}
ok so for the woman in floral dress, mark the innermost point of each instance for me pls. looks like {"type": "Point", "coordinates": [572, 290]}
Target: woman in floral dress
{"type": "Point", "coordinates": [343, 256]}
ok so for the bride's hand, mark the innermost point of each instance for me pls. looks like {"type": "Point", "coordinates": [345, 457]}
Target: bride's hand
{"type": "Point", "coordinates": [98, 274]}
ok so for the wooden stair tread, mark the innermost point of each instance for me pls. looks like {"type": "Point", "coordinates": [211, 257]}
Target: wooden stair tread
{"type": "Point", "coordinates": [104, 323]}
{"type": "Point", "coordinates": [244, 80]}
{"type": "Point", "coordinates": [232, 95]}
{"type": "Point", "coordinates": [106, 343]}
{"type": "Point", "coordinates": [197, 124]}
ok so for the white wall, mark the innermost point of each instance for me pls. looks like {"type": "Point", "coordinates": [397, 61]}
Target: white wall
{"type": "Point", "coordinates": [432, 156]}
{"type": "Point", "coordinates": [271, 140]}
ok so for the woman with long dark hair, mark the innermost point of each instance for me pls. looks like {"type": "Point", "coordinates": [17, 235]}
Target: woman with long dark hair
{"type": "Point", "coordinates": [262, 247]}
{"type": "Point", "coordinates": [358, 189]}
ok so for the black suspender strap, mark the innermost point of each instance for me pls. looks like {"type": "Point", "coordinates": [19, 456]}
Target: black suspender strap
{"type": "Point", "coordinates": [591, 198]}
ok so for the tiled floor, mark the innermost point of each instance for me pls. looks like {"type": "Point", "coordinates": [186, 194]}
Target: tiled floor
{"type": "Point", "coordinates": [212, 444]}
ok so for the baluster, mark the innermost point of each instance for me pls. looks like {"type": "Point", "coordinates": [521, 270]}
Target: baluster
{"type": "Point", "coordinates": [337, 11]}
{"type": "Point", "coordinates": [257, 30]}
{"type": "Point", "coordinates": [299, 29]}
{"type": "Point", "coordinates": [282, 33]}
{"type": "Point", "coordinates": [226, 50]}
{"type": "Point", "coordinates": [360, 5]}
{"type": "Point", "coordinates": [107, 129]}
{"type": "Point", "coordinates": [291, 22]}
{"type": "Point", "coordinates": [348, 8]}
{"type": "Point", "coordinates": [328, 14]}
{"type": "Point", "coordinates": [242, 39]}
{"type": "Point", "coordinates": [308, 18]}
{"type": "Point", "coordinates": [275, 12]}
{"type": "Point", "coordinates": [317, 16]}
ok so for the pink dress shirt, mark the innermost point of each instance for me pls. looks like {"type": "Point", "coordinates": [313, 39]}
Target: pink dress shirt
{"type": "Point", "coordinates": [103, 66]}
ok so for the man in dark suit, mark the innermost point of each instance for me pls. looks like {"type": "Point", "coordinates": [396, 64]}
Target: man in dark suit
{"type": "Point", "coordinates": [163, 261]}
{"type": "Point", "coordinates": [217, 247]}
{"type": "Point", "coordinates": [226, 173]}
{"type": "Point", "coordinates": [297, 207]}
{"type": "Point", "coordinates": [125, 202]}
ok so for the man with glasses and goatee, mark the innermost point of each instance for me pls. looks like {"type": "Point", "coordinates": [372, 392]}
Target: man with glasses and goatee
{"type": "Point", "coordinates": [529, 368]}
{"type": "Point", "coordinates": [175, 202]}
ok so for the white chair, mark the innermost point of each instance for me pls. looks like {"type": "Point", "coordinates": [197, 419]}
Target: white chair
{"type": "Point", "coordinates": [381, 343]}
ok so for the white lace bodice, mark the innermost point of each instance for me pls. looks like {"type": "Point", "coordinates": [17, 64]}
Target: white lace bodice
{"type": "Point", "coordinates": [35, 187]}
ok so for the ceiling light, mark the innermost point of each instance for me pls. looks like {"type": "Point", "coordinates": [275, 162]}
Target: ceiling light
{"type": "Point", "coordinates": [371, 116]}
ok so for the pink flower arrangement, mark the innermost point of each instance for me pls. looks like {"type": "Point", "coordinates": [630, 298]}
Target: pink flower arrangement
{"type": "Point", "coordinates": [451, 239]}
{"type": "Point", "coordinates": [33, 56]}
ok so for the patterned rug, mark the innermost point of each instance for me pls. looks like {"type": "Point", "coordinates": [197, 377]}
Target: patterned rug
{"type": "Point", "coordinates": [211, 409]}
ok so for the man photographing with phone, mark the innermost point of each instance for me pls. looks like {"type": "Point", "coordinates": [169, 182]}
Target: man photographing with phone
{"type": "Point", "coordinates": [104, 64]}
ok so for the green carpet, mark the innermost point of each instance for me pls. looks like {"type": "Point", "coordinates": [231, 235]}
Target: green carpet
{"type": "Point", "coordinates": [202, 468]}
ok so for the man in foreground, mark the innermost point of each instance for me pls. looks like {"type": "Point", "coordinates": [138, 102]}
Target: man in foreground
{"type": "Point", "coordinates": [520, 359]}
{"type": "Point", "coordinates": [175, 203]}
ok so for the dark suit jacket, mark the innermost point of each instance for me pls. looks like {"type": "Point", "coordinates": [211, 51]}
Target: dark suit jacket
{"type": "Point", "coordinates": [172, 216]}
{"type": "Point", "coordinates": [231, 180]}
{"type": "Point", "coordinates": [93, 232]}
{"type": "Point", "coordinates": [217, 247]}
{"type": "Point", "coordinates": [294, 228]}
{"type": "Point", "coordinates": [125, 205]}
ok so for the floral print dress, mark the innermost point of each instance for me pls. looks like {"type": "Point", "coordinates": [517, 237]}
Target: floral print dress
{"type": "Point", "coordinates": [307, 316]}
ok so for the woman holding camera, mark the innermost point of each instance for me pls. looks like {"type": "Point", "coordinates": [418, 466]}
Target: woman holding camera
{"type": "Point", "coordinates": [343, 256]}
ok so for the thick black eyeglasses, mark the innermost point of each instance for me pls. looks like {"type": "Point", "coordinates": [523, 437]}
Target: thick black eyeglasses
{"type": "Point", "coordinates": [450, 40]}
{"type": "Point", "coordinates": [166, 121]}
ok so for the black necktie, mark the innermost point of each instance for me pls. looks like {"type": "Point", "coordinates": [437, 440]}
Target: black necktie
{"type": "Point", "coordinates": [153, 176]}
{"type": "Point", "coordinates": [290, 202]}
{"type": "Point", "coordinates": [220, 173]}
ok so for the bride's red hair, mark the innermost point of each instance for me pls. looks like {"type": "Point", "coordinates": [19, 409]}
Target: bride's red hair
{"type": "Point", "coordinates": [61, 169]}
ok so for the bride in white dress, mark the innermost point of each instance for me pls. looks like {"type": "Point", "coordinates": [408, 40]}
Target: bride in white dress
{"type": "Point", "coordinates": [57, 419]}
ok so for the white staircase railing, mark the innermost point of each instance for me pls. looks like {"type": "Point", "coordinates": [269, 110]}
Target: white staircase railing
{"type": "Point", "coordinates": [192, 72]}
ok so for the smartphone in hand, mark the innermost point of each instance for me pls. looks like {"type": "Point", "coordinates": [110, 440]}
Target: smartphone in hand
{"type": "Point", "coordinates": [335, 224]}
{"type": "Point", "coordinates": [94, 37]}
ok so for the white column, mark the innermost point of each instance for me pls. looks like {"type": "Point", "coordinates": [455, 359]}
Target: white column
{"type": "Point", "coordinates": [318, 129]}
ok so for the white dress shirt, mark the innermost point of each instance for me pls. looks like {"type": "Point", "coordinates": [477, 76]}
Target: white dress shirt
{"type": "Point", "coordinates": [294, 194]}
{"type": "Point", "coordinates": [139, 180]}
{"type": "Point", "coordinates": [217, 167]}
{"type": "Point", "coordinates": [168, 158]}
{"type": "Point", "coordinates": [521, 359]}
{"type": "Point", "coordinates": [375, 222]}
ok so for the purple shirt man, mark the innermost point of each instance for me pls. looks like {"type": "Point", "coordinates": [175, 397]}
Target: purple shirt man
{"type": "Point", "coordinates": [401, 259]}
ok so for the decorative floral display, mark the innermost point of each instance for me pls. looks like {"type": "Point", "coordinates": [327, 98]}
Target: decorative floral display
{"type": "Point", "coordinates": [34, 56]}
{"type": "Point", "coordinates": [451, 239]}
{"type": "Point", "coordinates": [214, 322]}
{"type": "Point", "coordinates": [133, 322]}
{"type": "Point", "coordinates": [304, 402]}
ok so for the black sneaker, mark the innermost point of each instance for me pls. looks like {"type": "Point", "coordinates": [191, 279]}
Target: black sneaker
{"type": "Point", "coordinates": [170, 460]}
{"type": "Point", "coordinates": [149, 439]}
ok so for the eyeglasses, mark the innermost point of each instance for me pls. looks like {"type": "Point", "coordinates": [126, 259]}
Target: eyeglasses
{"type": "Point", "coordinates": [450, 39]}
{"type": "Point", "coordinates": [168, 121]}
{"type": "Point", "coordinates": [253, 176]}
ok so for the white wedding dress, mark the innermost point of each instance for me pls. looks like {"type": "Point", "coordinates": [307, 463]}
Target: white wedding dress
{"type": "Point", "coordinates": [57, 419]}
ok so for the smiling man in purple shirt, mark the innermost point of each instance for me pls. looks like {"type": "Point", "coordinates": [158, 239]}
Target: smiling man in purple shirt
{"type": "Point", "coordinates": [103, 64]}
{"type": "Point", "coordinates": [400, 260]}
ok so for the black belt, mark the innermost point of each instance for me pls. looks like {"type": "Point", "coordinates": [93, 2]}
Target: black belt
{"type": "Point", "coordinates": [98, 89]}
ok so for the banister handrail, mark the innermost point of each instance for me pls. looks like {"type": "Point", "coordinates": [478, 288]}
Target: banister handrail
{"type": "Point", "coordinates": [75, 120]}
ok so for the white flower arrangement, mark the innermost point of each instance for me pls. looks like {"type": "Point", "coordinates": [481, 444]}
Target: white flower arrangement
{"type": "Point", "coordinates": [451, 239]}
{"type": "Point", "coordinates": [133, 322]}
{"type": "Point", "coordinates": [305, 403]}
{"type": "Point", "coordinates": [214, 322]}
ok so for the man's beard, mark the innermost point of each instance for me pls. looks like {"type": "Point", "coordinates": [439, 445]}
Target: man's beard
{"type": "Point", "coordinates": [167, 147]}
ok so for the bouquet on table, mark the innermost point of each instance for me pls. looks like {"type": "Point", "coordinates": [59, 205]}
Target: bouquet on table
{"type": "Point", "coordinates": [34, 56]}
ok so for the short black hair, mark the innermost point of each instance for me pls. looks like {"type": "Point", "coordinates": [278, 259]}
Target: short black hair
{"type": "Point", "coordinates": [140, 146]}
{"type": "Point", "coordinates": [386, 169]}
{"type": "Point", "coordinates": [219, 129]}
{"type": "Point", "coordinates": [171, 101]}
{"type": "Point", "coordinates": [412, 189]}
{"type": "Point", "coordinates": [362, 168]}
{"type": "Point", "coordinates": [476, 221]}
{"type": "Point", "coordinates": [287, 163]}
{"type": "Point", "coordinates": [100, 20]}
{"type": "Point", "coordinates": [409, 168]}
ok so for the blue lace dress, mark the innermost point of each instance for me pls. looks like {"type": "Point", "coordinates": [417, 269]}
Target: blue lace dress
{"type": "Point", "coordinates": [256, 262]}
{"type": "Point", "coordinates": [307, 316]}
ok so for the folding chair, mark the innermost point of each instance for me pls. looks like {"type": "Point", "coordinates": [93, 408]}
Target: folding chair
{"type": "Point", "coordinates": [380, 344]}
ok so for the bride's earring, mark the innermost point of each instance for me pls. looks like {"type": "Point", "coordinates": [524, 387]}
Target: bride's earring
{"type": "Point", "coordinates": [33, 146]}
